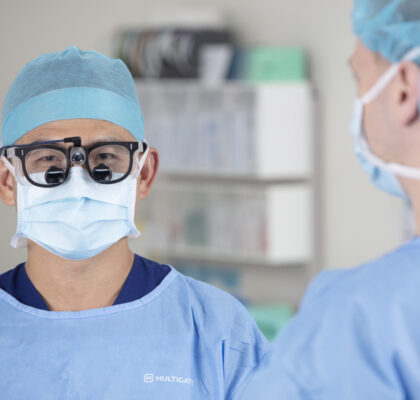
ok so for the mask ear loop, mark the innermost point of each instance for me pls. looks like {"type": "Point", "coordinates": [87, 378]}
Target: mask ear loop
{"type": "Point", "coordinates": [397, 169]}
{"type": "Point", "coordinates": [386, 79]}
{"type": "Point", "coordinates": [140, 165]}
{"type": "Point", "coordinates": [383, 82]}
{"type": "Point", "coordinates": [9, 166]}
{"type": "Point", "coordinates": [142, 160]}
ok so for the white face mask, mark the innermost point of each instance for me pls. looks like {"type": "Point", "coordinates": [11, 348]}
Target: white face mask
{"type": "Point", "coordinates": [78, 219]}
{"type": "Point", "coordinates": [382, 174]}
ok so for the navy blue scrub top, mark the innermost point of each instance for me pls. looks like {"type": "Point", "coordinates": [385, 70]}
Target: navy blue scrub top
{"type": "Point", "coordinates": [145, 275]}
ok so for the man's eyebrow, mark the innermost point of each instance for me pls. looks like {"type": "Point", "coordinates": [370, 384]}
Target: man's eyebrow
{"type": "Point", "coordinates": [109, 139]}
{"type": "Point", "coordinates": [44, 139]}
{"type": "Point", "coordinates": [102, 139]}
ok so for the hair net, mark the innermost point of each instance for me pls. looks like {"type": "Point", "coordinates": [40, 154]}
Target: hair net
{"type": "Point", "coordinates": [68, 85]}
{"type": "Point", "coordinates": [388, 27]}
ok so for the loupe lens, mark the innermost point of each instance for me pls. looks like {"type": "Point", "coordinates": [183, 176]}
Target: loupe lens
{"type": "Point", "coordinates": [55, 176]}
{"type": "Point", "coordinates": [102, 174]}
{"type": "Point", "coordinates": [46, 166]}
{"type": "Point", "coordinates": [109, 162]}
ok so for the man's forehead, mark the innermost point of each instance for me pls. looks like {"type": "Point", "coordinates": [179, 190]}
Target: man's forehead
{"type": "Point", "coordinates": [88, 129]}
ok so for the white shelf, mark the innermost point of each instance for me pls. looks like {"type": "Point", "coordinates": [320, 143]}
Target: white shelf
{"type": "Point", "coordinates": [203, 256]}
{"type": "Point", "coordinates": [200, 85]}
{"type": "Point", "coordinates": [208, 175]}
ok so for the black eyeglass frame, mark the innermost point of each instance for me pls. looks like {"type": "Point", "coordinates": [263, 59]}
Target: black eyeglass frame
{"type": "Point", "coordinates": [21, 151]}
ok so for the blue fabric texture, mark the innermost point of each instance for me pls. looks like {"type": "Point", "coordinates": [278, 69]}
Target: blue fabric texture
{"type": "Point", "coordinates": [145, 275]}
{"type": "Point", "coordinates": [356, 336]}
{"type": "Point", "coordinates": [388, 27]}
{"type": "Point", "coordinates": [67, 85]}
{"type": "Point", "coordinates": [184, 340]}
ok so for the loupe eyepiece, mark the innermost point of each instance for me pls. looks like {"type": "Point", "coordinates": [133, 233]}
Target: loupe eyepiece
{"type": "Point", "coordinates": [102, 173]}
{"type": "Point", "coordinates": [55, 176]}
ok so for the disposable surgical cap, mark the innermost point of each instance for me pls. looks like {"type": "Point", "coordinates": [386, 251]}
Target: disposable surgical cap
{"type": "Point", "coordinates": [68, 85]}
{"type": "Point", "coordinates": [388, 27]}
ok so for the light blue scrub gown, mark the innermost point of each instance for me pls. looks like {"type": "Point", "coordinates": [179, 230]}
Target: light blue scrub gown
{"type": "Point", "coordinates": [184, 340]}
{"type": "Point", "coordinates": [357, 336]}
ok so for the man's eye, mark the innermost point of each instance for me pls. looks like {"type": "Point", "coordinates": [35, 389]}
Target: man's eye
{"type": "Point", "coordinates": [47, 158]}
{"type": "Point", "coordinates": [105, 156]}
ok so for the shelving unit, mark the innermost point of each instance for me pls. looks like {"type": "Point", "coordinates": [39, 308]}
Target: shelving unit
{"type": "Point", "coordinates": [235, 189]}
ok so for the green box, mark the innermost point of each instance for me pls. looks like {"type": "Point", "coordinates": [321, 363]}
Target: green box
{"type": "Point", "coordinates": [268, 64]}
{"type": "Point", "coordinates": [271, 319]}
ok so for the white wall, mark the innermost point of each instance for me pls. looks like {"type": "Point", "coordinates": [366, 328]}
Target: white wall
{"type": "Point", "coordinates": [358, 222]}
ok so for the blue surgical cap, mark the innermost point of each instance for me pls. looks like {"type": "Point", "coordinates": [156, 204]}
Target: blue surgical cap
{"type": "Point", "coordinates": [388, 27]}
{"type": "Point", "coordinates": [68, 85]}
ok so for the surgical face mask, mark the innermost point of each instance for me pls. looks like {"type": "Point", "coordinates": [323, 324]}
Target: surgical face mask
{"type": "Point", "coordinates": [79, 218]}
{"type": "Point", "coordinates": [382, 174]}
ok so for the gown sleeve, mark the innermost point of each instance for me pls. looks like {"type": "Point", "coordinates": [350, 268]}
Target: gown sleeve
{"type": "Point", "coordinates": [237, 343]}
{"type": "Point", "coordinates": [341, 345]}
{"type": "Point", "coordinates": [243, 349]}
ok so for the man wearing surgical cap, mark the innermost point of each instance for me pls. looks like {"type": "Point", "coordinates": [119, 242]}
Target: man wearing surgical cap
{"type": "Point", "coordinates": [357, 333]}
{"type": "Point", "coordinates": [84, 317]}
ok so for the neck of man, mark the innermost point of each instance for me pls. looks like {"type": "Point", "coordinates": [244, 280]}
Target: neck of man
{"type": "Point", "coordinates": [67, 285]}
{"type": "Point", "coordinates": [412, 188]}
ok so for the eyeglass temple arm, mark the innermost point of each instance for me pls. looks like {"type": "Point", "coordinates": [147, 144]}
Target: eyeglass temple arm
{"type": "Point", "coordinates": [76, 140]}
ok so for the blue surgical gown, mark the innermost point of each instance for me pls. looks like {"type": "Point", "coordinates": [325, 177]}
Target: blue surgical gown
{"type": "Point", "coordinates": [356, 336]}
{"type": "Point", "coordinates": [184, 340]}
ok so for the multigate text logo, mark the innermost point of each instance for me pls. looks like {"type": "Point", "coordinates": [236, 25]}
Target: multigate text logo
{"type": "Point", "coordinates": [151, 378]}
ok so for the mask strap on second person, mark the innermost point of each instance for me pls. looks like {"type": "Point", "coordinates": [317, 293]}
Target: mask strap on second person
{"type": "Point", "coordinates": [389, 75]}
{"type": "Point", "coordinates": [384, 81]}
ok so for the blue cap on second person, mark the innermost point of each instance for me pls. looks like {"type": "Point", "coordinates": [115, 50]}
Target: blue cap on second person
{"type": "Point", "coordinates": [68, 85]}
{"type": "Point", "coordinates": [388, 27]}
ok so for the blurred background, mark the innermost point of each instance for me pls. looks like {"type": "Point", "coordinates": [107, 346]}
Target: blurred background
{"type": "Point", "coordinates": [248, 103]}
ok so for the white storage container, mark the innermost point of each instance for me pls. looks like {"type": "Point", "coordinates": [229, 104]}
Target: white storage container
{"type": "Point", "coordinates": [259, 224]}
{"type": "Point", "coordinates": [235, 129]}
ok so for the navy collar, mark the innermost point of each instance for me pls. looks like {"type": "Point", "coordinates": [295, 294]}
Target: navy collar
{"type": "Point", "coordinates": [144, 276]}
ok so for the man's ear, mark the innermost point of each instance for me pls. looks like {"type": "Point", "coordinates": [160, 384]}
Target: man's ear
{"type": "Point", "coordinates": [148, 173]}
{"type": "Point", "coordinates": [407, 102]}
{"type": "Point", "coordinates": [7, 187]}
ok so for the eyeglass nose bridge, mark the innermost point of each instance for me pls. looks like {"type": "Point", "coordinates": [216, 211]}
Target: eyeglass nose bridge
{"type": "Point", "coordinates": [77, 155]}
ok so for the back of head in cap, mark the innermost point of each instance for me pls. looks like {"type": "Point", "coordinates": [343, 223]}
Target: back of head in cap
{"type": "Point", "coordinates": [68, 85]}
{"type": "Point", "coordinates": [388, 27]}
